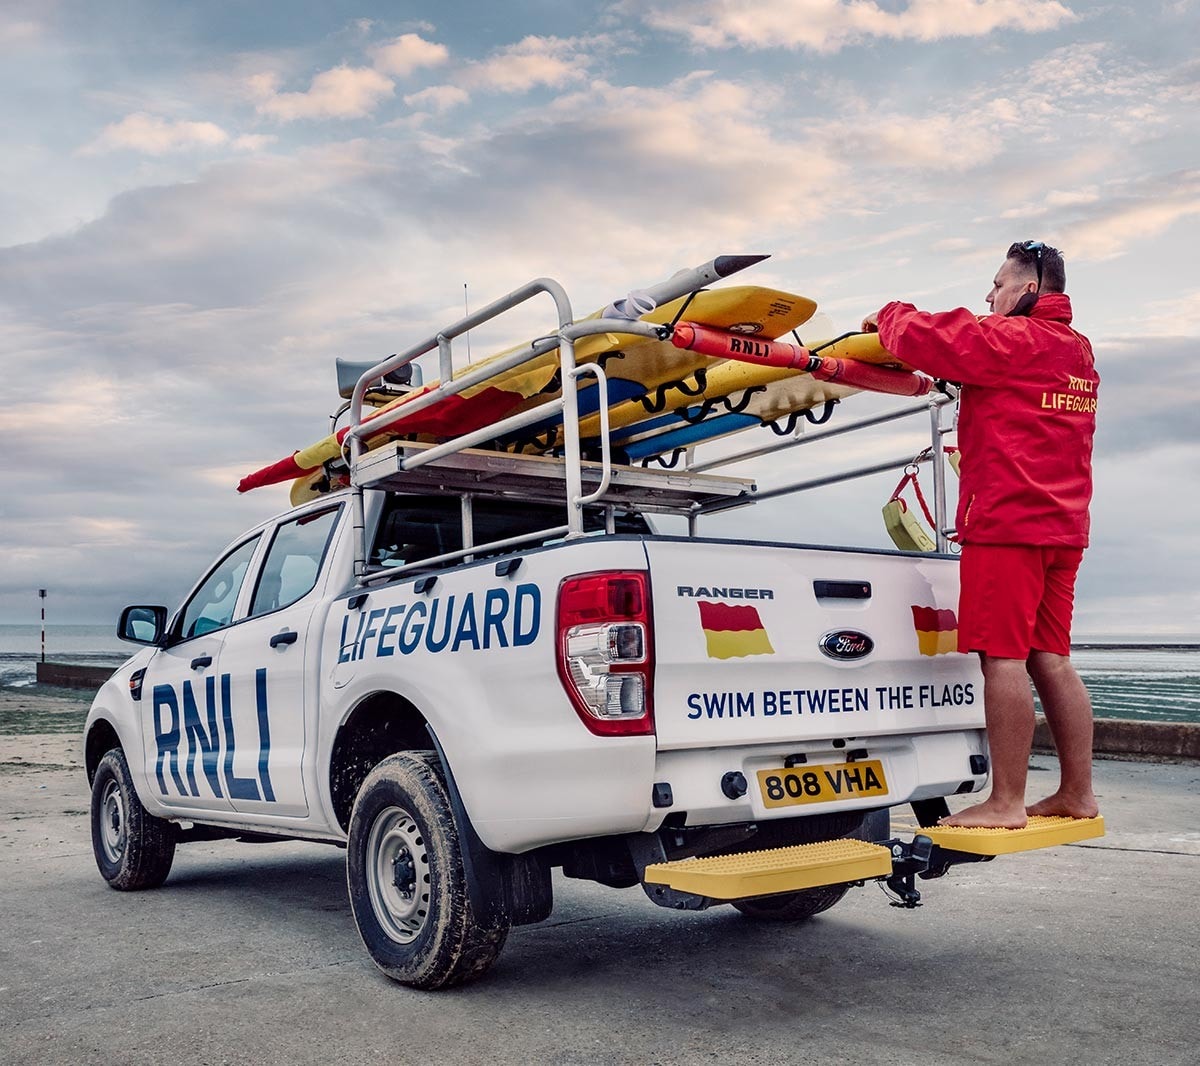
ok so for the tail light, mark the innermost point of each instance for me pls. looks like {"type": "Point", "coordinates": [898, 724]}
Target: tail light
{"type": "Point", "coordinates": [605, 651]}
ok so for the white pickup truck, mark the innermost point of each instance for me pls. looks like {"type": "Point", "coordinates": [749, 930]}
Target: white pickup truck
{"type": "Point", "coordinates": [425, 669]}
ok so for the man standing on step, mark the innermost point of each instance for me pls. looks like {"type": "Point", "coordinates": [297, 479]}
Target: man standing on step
{"type": "Point", "coordinates": [1027, 415]}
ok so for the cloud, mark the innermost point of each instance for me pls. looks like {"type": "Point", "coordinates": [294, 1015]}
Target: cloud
{"type": "Point", "coordinates": [254, 142]}
{"type": "Point", "coordinates": [239, 235]}
{"type": "Point", "coordinates": [18, 31]}
{"type": "Point", "coordinates": [152, 135]}
{"type": "Point", "coordinates": [554, 62]}
{"type": "Point", "coordinates": [1054, 200]}
{"type": "Point", "coordinates": [1148, 390]}
{"type": "Point", "coordinates": [698, 156]}
{"type": "Point", "coordinates": [829, 25]}
{"type": "Point", "coordinates": [439, 98]}
{"type": "Point", "coordinates": [958, 140]}
{"type": "Point", "coordinates": [1131, 212]}
{"type": "Point", "coordinates": [343, 92]}
{"type": "Point", "coordinates": [1174, 317]}
{"type": "Point", "coordinates": [407, 53]}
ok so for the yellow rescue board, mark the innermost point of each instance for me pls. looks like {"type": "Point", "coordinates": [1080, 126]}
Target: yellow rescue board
{"type": "Point", "coordinates": [653, 369]}
{"type": "Point", "coordinates": [638, 363]}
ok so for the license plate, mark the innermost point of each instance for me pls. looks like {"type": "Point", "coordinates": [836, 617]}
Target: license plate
{"type": "Point", "coordinates": [822, 783]}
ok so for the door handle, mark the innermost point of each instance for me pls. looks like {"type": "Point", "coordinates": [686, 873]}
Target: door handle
{"type": "Point", "coordinates": [201, 661]}
{"type": "Point", "coordinates": [287, 637]}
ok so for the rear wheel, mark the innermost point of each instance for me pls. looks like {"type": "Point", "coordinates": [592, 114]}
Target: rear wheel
{"type": "Point", "coordinates": [808, 902]}
{"type": "Point", "coordinates": [133, 849]}
{"type": "Point", "coordinates": [792, 906]}
{"type": "Point", "coordinates": [408, 888]}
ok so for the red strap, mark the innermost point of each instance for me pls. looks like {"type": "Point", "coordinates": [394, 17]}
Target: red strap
{"type": "Point", "coordinates": [910, 477]}
{"type": "Point", "coordinates": [921, 500]}
{"type": "Point", "coordinates": [900, 487]}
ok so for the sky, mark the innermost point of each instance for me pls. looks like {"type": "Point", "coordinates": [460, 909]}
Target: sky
{"type": "Point", "coordinates": [203, 204]}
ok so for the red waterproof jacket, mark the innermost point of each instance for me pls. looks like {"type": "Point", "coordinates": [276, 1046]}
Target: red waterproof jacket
{"type": "Point", "coordinates": [1027, 416]}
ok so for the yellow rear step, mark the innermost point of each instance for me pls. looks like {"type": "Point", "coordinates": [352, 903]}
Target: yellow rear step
{"type": "Point", "coordinates": [763, 873]}
{"type": "Point", "coordinates": [1041, 832]}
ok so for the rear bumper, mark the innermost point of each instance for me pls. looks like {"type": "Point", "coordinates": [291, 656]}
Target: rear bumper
{"type": "Point", "coordinates": [704, 783]}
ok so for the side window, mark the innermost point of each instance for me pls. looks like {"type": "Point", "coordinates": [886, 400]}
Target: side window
{"type": "Point", "coordinates": [415, 528]}
{"type": "Point", "coordinates": [211, 607]}
{"type": "Point", "coordinates": [293, 561]}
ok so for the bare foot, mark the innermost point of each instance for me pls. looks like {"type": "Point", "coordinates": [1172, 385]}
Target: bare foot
{"type": "Point", "coordinates": [1064, 805]}
{"type": "Point", "coordinates": [987, 815]}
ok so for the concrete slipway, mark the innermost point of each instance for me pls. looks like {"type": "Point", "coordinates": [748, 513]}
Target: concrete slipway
{"type": "Point", "coordinates": [1086, 953]}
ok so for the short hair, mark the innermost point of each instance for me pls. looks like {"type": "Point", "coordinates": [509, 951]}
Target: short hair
{"type": "Point", "coordinates": [1045, 261]}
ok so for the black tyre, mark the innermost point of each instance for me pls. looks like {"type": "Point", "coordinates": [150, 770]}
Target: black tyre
{"type": "Point", "coordinates": [802, 905]}
{"type": "Point", "coordinates": [404, 869]}
{"type": "Point", "coordinates": [134, 850]}
{"type": "Point", "coordinates": [792, 906]}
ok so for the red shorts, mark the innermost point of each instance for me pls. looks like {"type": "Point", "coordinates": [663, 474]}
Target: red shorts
{"type": "Point", "coordinates": [1015, 598]}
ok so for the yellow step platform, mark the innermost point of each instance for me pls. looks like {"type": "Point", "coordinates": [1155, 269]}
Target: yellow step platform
{"type": "Point", "coordinates": [1041, 832]}
{"type": "Point", "coordinates": [763, 873]}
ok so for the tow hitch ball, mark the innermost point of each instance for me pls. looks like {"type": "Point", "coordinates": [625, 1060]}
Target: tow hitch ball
{"type": "Point", "coordinates": [908, 860]}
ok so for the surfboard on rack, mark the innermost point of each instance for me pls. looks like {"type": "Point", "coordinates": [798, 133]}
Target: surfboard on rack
{"type": "Point", "coordinates": [635, 367]}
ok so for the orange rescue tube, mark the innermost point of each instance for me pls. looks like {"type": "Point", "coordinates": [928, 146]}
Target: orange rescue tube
{"type": "Point", "coordinates": [722, 344]}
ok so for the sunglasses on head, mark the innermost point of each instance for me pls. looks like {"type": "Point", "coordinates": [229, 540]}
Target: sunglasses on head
{"type": "Point", "coordinates": [1037, 247]}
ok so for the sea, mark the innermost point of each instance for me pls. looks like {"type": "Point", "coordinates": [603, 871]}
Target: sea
{"type": "Point", "coordinates": [1152, 682]}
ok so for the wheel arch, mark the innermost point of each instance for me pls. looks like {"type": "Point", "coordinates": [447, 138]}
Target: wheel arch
{"type": "Point", "coordinates": [381, 724]}
{"type": "Point", "coordinates": [102, 736]}
{"type": "Point", "coordinates": [384, 723]}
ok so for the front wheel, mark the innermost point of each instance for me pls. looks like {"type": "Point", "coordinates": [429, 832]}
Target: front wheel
{"type": "Point", "coordinates": [133, 849]}
{"type": "Point", "coordinates": [408, 889]}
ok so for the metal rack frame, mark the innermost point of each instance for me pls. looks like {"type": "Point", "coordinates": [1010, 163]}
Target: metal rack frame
{"type": "Point", "coordinates": [456, 467]}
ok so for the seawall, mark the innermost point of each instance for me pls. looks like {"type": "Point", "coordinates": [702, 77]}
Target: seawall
{"type": "Point", "coordinates": [1127, 737]}
{"type": "Point", "coordinates": [72, 675]}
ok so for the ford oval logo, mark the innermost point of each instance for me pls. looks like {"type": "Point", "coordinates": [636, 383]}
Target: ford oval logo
{"type": "Point", "coordinates": [846, 644]}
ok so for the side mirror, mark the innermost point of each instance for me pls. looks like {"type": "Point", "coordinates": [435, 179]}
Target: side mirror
{"type": "Point", "coordinates": [143, 625]}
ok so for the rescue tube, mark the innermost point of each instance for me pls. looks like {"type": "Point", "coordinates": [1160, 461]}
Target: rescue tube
{"type": "Point", "coordinates": [635, 367]}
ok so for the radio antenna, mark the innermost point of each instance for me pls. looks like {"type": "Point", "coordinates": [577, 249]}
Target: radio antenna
{"type": "Point", "coordinates": [467, 311]}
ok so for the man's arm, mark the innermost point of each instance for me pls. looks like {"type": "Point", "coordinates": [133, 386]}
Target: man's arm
{"type": "Point", "coordinates": [955, 345]}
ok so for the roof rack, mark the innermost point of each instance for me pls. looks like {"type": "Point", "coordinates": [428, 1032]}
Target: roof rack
{"type": "Point", "coordinates": [459, 467]}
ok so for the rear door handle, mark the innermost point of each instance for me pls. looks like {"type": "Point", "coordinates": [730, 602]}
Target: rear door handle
{"type": "Point", "coordinates": [201, 661]}
{"type": "Point", "coordinates": [289, 636]}
{"type": "Point", "coordinates": [842, 590]}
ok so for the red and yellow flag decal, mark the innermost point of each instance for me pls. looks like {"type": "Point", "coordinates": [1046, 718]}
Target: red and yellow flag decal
{"type": "Point", "coordinates": [937, 630]}
{"type": "Point", "coordinates": [732, 632]}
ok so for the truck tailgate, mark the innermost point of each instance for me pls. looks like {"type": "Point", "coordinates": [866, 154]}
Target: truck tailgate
{"type": "Point", "coordinates": [765, 643]}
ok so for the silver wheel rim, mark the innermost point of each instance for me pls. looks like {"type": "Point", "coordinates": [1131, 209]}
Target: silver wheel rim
{"type": "Point", "coordinates": [398, 874]}
{"type": "Point", "coordinates": [112, 823]}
